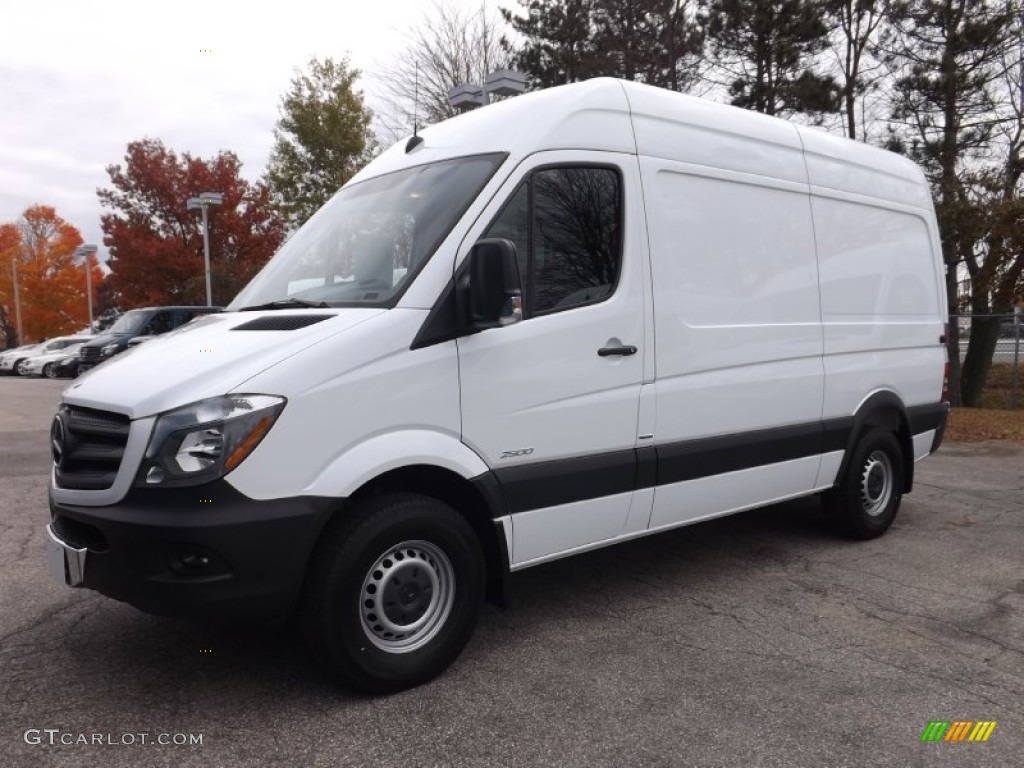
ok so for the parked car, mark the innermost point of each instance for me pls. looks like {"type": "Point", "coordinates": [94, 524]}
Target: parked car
{"type": "Point", "coordinates": [10, 357]}
{"type": "Point", "coordinates": [45, 364]}
{"type": "Point", "coordinates": [11, 361]}
{"type": "Point", "coordinates": [623, 310]}
{"type": "Point", "coordinates": [150, 321]}
{"type": "Point", "coordinates": [67, 366]}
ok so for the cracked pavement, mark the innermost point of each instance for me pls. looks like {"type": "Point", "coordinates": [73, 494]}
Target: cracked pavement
{"type": "Point", "coordinates": [753, 640]}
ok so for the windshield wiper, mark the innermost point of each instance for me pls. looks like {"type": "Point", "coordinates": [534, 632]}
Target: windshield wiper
{"type": "Point", "coordinates": [287, 304]}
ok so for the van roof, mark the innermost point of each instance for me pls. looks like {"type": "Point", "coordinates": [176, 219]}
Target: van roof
{"type": "Point", "coordinates": [605, 114]}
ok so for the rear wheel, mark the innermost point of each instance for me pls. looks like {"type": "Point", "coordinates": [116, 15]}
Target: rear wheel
{"type": "Point", "coordinates": [868, 496]}
{"type": "Point", "coordinates": [393, 593]}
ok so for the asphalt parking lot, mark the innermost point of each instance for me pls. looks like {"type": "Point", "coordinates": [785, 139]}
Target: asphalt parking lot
{"type": "Point", "coordinates": [755, 640]}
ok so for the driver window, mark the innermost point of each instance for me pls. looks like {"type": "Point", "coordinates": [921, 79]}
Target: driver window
{"type": "Point", "coordinates": [566, 224]}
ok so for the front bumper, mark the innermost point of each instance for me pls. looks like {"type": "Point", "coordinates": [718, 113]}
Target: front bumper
{"type": "Point", "coordinates": [207, 551]}
{"type": "Point", "coordinates": [33, 369]}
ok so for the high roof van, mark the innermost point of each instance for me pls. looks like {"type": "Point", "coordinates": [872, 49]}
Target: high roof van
{"type": "Point", "coordinates": [560, 322]}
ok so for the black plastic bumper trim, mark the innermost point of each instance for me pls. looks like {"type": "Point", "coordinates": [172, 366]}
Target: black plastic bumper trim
{"type": "Point", "coordinates": [206, 551]}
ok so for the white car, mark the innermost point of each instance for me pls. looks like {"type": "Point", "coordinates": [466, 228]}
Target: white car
{"type": "Point", "coordinates": [10, 356]}
{"type": "Point", "coordinates": [46, 364]}
{"type": "Point", "coordinates": [11, 361]}
{"type": "Point", "coordinates": [623, 310]}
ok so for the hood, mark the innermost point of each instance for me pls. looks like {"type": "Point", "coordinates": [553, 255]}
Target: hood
{"type": "Point", "coordinates": [71, 351]}
{"type": "Point", "coordinates": [207, 357]}
{"type": "Point", "coordinates": [106, 338]}
{"type": "Point", "coordinates": [19, 350]}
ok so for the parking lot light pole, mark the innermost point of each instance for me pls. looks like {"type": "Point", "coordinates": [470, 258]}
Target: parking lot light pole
{"type": "Point", "coordinates": [17, 299]}
{"type": "Point", "coordinates": [204, 201]}
{"type": "Point", "coordinates": [501, 82]}
{"type": "Point", "coordinates": [87, 251]}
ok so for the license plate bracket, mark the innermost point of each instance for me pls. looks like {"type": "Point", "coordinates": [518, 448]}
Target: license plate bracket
{"type": "Point", "coordinates": [66, 564]}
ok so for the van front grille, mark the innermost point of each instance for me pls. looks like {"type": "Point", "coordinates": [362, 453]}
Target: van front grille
{"type": "Point", "coordinates": [87, 447]}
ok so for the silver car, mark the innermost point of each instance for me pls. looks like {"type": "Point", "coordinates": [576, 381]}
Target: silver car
{"type": "Point", "coordinates": [45, 364]}
{"type": "Point", "coordinates": [12, 360]}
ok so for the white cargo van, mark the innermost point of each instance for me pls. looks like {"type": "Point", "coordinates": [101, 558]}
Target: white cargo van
{"type": "Point", "coordinates": [563, 321]}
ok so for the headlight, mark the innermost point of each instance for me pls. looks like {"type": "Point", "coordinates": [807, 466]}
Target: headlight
{"type": "Point", "coordinates": [204, 441]}
{"type": "Point", "coordinates": [109, 349]}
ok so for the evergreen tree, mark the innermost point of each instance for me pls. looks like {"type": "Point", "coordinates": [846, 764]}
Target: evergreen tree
{"type": "Point", "coordinates": [650, 41]}
{"type": "Point", "coordinates": [766, 50]}
{"type": "Point", "coordinates": [559, 42]}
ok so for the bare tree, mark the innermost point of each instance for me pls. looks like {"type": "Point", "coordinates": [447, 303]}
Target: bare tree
{"type": "Point", "coordinates": [447, 47]}
{"type": "Point", "coordinates": [854, 31]}
{"type": "Point", "coordinates": [996, 264]}
{"type": "Point", "coordinates": [949, 58]}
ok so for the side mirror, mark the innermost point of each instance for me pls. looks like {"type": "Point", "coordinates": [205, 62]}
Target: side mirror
{"type": "Point", "coordinates": [493, 282]}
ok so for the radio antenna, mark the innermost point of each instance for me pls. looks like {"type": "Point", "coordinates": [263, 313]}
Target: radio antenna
{"type": "Point", "coordinates": [415, 141]}
{"type": "Point", "coordinates": [416, 102]}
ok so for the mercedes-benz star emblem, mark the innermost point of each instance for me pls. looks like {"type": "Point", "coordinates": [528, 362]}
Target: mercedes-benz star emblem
{"type": "Point", "coordinates": [57, 440]}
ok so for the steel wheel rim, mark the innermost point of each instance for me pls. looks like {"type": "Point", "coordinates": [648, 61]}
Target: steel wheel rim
{"type": "Point", "coordinates": [876, 483]}
{"type": "Point", "coordinates": [407, 596]}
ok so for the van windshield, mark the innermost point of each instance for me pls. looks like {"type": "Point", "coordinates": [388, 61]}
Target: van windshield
{"type": "Point", "coordinates": [369, 240]}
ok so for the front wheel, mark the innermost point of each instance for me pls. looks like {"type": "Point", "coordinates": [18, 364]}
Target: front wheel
{"type": "Point", "coordinates": [393, 592]}
{"type": "Point", "coordinates": [868, 496]}
{"type": "Point", "coordinates": [50, 371]}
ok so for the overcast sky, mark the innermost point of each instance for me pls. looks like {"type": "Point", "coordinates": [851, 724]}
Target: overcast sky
{"type": "Point", "coordinates": [80, 79]}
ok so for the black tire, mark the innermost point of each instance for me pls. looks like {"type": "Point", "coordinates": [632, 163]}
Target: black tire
{"type": "Point", "coordinates": [50, 371]}
{"type": "Point", "coordinates": [361, 553]}
{"type": "Point", "coordinates": [865, 502]}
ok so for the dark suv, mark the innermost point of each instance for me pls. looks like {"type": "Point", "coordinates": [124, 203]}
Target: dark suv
{"type": "Point", "coordinates": [150, 321]}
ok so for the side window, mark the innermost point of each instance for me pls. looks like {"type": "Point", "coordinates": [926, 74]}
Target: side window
{"type": "Point", "coordinates": [160, 323]}
{"type": "Point", "coordinates": [566, 224]}
{"type": "Point", "coordinates": [576, 237]}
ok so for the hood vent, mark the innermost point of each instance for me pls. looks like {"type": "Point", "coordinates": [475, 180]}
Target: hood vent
{"type": "Point", "coordinates": [281, 322]}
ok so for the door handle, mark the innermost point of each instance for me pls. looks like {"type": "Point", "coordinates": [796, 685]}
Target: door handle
{"type": "Point", "coordinates": [625, 351]}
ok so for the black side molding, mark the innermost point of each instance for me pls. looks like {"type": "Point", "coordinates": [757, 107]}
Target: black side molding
{"type": "Point", "coordinates": [694, 459]}
{"type": "Point", "coordinates": [548, 483]}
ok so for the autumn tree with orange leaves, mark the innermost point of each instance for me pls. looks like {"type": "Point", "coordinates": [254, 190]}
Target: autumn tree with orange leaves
{"type": "Point", "coordinates": [156, 243]}
{"type": "Point", "coordinates": [51, 284]}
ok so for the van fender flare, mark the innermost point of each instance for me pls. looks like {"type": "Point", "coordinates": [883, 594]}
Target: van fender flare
{"type": "Point", "coordinates": [366, 460]}
{"type": "Point", "coordinates": [882, 408]}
